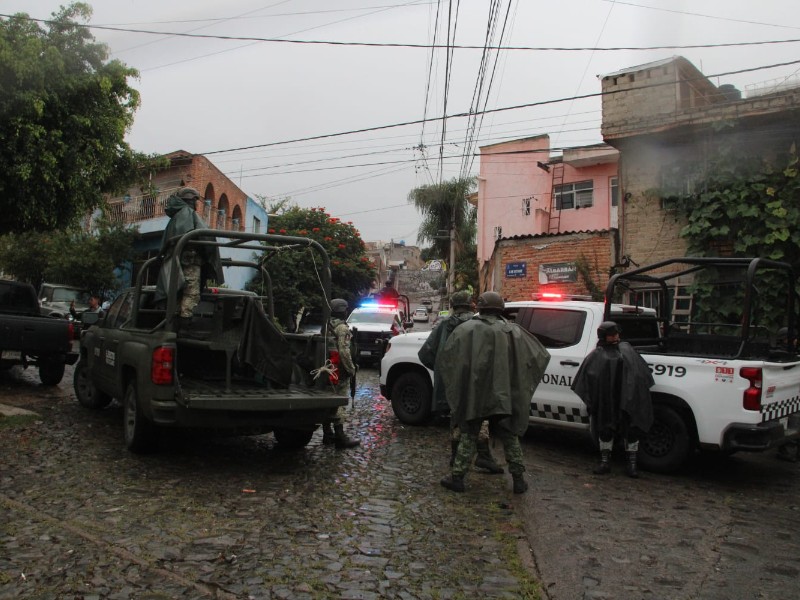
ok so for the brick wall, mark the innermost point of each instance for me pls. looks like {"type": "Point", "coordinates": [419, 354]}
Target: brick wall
{"type": "Point", "coordinates": [596, 247]}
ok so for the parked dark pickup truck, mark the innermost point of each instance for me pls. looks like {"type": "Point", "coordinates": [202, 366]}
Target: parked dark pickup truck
{"type": "Point", "coordinates": [231, 367]}
{"type": "Point", "coordinates": [28, 338]}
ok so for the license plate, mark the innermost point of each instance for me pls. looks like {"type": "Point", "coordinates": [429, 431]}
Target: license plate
{"type": "Point", "coordinates": [366, 353]}
{"type": "Point", "coordinates": [11, 355]}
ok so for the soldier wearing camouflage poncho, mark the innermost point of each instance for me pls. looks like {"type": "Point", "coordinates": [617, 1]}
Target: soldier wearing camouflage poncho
{"type": "Point", "coordinates": [461, 311]}
{"type": "Point", "coordinates": [490, 369]}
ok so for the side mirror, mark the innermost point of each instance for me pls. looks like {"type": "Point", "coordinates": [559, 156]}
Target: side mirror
{"type": "Point", "coordinates": [408, 324]}
{"type": "Point", "coordinates": [90, 318]}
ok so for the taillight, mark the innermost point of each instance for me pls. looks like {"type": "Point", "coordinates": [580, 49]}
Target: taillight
{"type": "Point", "coordinates": [751, 399]}
{"type": "Point", "coordinates": [70, 331]}
{"type": "Point", "coordinates": [162, 366]}
{"type": "Point", "coordinates": [333, 377]}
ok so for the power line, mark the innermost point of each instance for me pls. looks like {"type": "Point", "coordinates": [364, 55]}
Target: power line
{"type": "Point", "coordinates": [694, 14]}
{"type": "Point", "coordinates": [249, 16]}
{"type": "Point", "coordinates": [419, 46]}
{"type": "Point", "coordinates": [496, 110]}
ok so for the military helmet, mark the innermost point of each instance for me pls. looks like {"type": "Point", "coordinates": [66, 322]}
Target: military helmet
{"type": "Point", "coordinates": [607, 328]}
{"type": "Point", "coordinates": [462, 298]}
{"type": "Point", "coordinates": [490, 301]}
{"type": "Point", "coordinates": [339, 306]}
{"type": "Point", "coordinates": [188, 194]}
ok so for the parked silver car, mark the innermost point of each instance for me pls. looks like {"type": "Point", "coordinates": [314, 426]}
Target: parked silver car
{"type": "Point", "coordinates": [54, 299]}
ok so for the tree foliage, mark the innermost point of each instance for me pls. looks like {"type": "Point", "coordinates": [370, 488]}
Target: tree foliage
{"type": "Point", "coordinates": [78, 258]}
{"type": "Point", "coordinates": [295, 274]}
{"type": "Point", "coordinates": [440, 205]}
{"type": "Point", "coordinates": [64, 112]}
{"type": "Point", "coordinates": [748, 208]}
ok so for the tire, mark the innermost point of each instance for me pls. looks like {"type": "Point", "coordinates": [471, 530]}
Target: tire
{"type": "Point", "coordinates": [293, 439]}
{"type": "Point", "coordinates": [141, 434]}
{"type": "Point", "coordinates": [85, 391]}
{"type": "Point", "coordinates": [51, 372]}
{"type": "Point", "coordinates": [668, 444]}
{"type": "Point", "coordinates": [411, 398]}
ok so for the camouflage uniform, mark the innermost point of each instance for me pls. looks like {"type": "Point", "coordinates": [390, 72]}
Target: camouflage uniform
{"type": "Point", "coordinates": [343, 340]}
{"type": "Point", "coordinates": [191, 264]}
{"type": "Point", "coordinates": [468, 446]}
{"type": "Point", "coordinates": [333, 428]}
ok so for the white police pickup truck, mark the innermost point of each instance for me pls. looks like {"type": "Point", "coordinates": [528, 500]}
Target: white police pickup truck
{"type": "Point", "coordinates": [713, 390]}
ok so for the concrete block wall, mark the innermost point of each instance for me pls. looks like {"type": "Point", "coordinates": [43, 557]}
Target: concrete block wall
{"type": "Point", "coordinates": [596, 247]}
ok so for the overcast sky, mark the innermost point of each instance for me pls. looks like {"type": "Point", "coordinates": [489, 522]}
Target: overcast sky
{"type": "Point", "coordinates": [214, 96]}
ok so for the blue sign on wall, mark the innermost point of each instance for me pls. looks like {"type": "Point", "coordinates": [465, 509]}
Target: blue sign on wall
{"type": "Point", "coordinates": [519, 269]}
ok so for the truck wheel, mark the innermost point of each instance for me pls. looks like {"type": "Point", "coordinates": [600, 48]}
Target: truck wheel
{"type": "Point", "coordinates": [293, 439]}
{"type": "Point", "coordinates": [87, 394]}
{"type": "Point", "coordinates": [141, 434]}
{"type": "Point", "coordinates": [668, 444]}
{"type": "Point", "coordinates": [51, 372]}
{"type": "Point", "coordinates": [411, 398]}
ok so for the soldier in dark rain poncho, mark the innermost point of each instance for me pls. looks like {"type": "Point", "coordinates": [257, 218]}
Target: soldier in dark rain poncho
{"type": "Point", "coordinates": [462, 311]}
{"type": "Point", "coordinates": [490, 369]}
{"type": "Point", "coordinates": [614, 382]}
{"type": "Point", "coordinates": [183, 219]}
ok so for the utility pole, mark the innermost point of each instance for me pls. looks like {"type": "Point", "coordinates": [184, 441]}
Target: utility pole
{"type": "Point", "coordinates": [451, 271]}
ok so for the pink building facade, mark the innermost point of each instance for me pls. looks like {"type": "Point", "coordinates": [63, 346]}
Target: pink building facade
{"type": "Point", "coordinates": [524, 192]}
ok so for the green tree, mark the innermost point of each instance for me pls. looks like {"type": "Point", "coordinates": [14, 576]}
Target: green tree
{"type": "Point", "coordinates": [295, 274]}
{"type": "Point", "coordinates": [64, 112]}
{"type": "Point", "coordinates": [748, 208]}
{"type": "Point", "coordinates": [442, 205]}
{"type": "Point", "coordinates": [90, 260]}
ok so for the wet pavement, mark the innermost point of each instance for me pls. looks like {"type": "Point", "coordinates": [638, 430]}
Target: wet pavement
{"type": "Point", "coordinates": [238, 518]}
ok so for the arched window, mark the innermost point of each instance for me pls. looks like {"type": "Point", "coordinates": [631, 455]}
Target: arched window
{"type": "Point", "coordinates": [208, 204]}
{"type": "Point", "coordinates": [237, 223]}
{"type": "Point", "coordinates": [223, 210]}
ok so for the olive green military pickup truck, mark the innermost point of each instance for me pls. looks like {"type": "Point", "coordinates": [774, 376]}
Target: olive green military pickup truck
{"type": "Point", "coordinates": [28, 338]}
{"type": "Point", "coordinates": [230, 367]}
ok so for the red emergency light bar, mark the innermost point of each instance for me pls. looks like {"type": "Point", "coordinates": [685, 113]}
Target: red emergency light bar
{"type": "Point", "coordinates": [376, 305]}
{"type": "Point", "coordinates": [556, 296]}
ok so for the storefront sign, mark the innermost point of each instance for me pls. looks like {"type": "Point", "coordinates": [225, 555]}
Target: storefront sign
{"type": "Point", "coordinates": [519, 269]}
{"type": "Point", "coordinates": [558, 272]}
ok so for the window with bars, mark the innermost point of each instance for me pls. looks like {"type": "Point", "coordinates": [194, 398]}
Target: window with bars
{"type": "Point", "coordinates": [498, 232]}
{"type": "Point", "coordinates": [574, 195]}
{"type": "Point", "coordinates": [526, 207]}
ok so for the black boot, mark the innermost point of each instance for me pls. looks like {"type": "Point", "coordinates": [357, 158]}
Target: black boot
{"type": "Point", "coordinates": [520, 485]}
{"type": "Point", "coordinates": [328, 437]}
{"type": "Point", "coordinates": [453, 451]}
{"type": "Point", "coordinates": [454, 483]}
{"type": "Point", "coordinates": [630, 467]}
{"type": "Point", "coordinates": [485, 460]}
{"type": "Point", "coordinates": [605, 463]}
{"type": "Point", "coordinates": [341, 440]}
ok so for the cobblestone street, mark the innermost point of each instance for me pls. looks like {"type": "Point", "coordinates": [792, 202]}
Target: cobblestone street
{"type": "Point", "coordinates": [238, 518]}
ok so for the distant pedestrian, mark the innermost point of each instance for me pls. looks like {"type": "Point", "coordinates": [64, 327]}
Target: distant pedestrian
{"type": "Point", "coordinates": [614, 383]}
{"type": "Point", "coordinates": [333, 429]}
{"type": "Point", "coordinates": [490, 369]}
{"type": "Point", "coordinates": [462, 311]}
{"type": "Point", "coordinates": [94, 307]}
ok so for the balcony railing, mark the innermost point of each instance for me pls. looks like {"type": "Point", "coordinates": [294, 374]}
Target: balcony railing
{"type": "Point", "coordinates": [134, 209]}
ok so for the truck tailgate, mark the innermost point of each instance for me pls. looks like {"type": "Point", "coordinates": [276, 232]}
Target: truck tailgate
{"type": "Point", "coordinates": [780, 390]}
{"type": "Point", "coordinates": [202, 395]}
{"type": "Point", "coordinates": [35, 335]}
